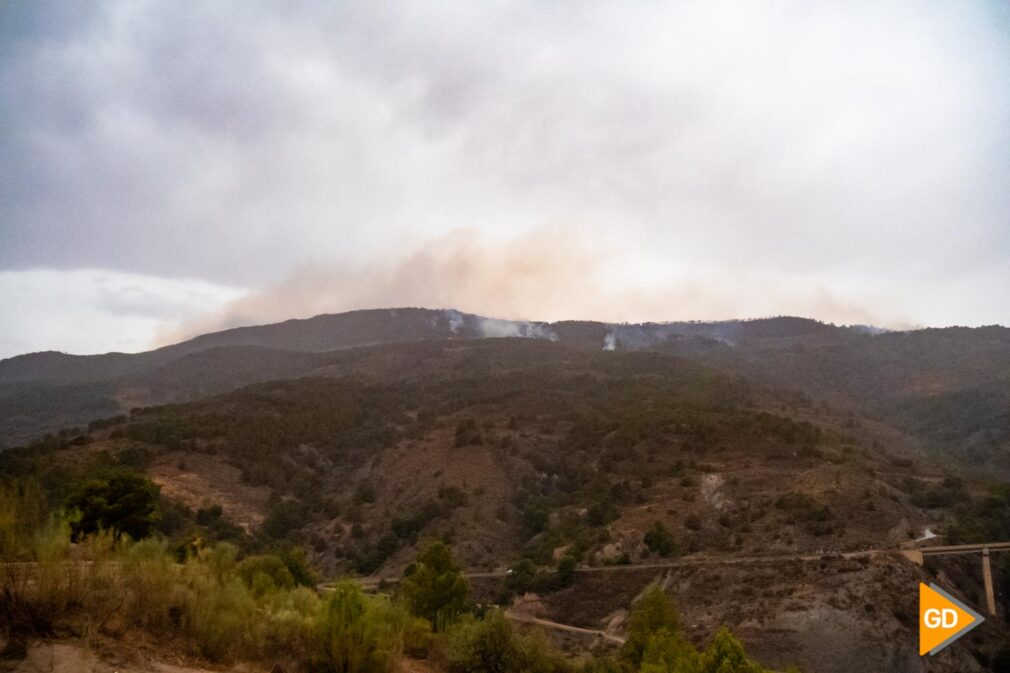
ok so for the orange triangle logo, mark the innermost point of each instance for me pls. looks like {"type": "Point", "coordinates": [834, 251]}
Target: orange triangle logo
{"type": "Point", "coordinates": [942, 619]}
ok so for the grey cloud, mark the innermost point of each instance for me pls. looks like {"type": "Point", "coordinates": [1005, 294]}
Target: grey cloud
{"type": "Point", "coordinates": [863, 143]}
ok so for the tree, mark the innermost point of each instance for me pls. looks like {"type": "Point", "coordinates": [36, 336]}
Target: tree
{"type": "Point", "coordinates": [565, 575]}
{"type": "Point", "coordinates": [726, 655]}
{"type": "Point", "coordinates": [434, 587]}
{"type": "Point", "coordinates": [521, 576]}
{"type": "Point", "coordinates": [667, 652]}
{"type": "Point", "coordinates": [659, 540]}
{"type": "Point", "coordinates": [125, 503]}
{"type": "Point", "coordinates": [651, 614]}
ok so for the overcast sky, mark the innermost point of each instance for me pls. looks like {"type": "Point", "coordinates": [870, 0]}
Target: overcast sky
{"type": "Point", "coordinates": [172, 167]}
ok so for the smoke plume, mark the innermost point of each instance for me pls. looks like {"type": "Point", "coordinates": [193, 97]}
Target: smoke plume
{"type": "Point", "coordinates": [547, 274]}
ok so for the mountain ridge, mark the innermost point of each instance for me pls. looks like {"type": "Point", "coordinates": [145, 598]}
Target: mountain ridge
{"type": "Point", "coordinates": [914, 377]}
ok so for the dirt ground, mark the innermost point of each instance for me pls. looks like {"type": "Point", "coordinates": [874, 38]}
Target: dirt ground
{"type": "Point", "coordinates": [71, 657]}
{"type": "Point", "coordinates": [111, 656]}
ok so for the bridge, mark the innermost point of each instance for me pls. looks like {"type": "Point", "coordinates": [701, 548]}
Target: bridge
{"type": "Point", "coordinates": [918, 557]}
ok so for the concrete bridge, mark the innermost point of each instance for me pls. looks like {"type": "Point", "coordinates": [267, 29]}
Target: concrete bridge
{"type": "Point", "coordinates": [918, 557]}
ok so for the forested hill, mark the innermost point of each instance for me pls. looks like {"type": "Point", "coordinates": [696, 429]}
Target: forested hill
{"type": "Point", "coordinates": [949, 387]}
{"type": "Point", "coordinates": [537, 456]}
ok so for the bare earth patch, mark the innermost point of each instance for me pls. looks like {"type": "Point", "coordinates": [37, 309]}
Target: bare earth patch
{"type": "Point", "coordinates": [197, 480]}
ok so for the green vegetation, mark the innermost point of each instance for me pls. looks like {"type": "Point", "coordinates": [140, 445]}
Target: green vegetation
{"type": "Point", "coordinates": [225, 608]}
{"type": "Point", "coordinates": [434, 587]}
{"type": "Point", "coordinates": [492, 645]}
{"type": "Point", "coordinates": [656, 644]}
{"type": "Point", "coordinates": [526, 576]}
{"type": "Point", "coordinates": [125, 504]}
{"type": "Point", "coordinates": [804, 510]}
{"type": "Point", "coordinates": [360, 634]}
{"type": "Point", "coordinates": [948, 493]}
{"type": "Point", "coordinates": [584, 435]}
{"type": "Point", "coordinates": [659, 540]}
{"type": "Point", "coordinates": [983, 519]}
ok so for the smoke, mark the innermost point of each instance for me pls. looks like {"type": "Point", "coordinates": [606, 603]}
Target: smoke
{"type": "Point", "coordinates": [468, 325]}
{"type": "Point", "coordinates": [494, 327]}
{"type": "Point", "coordinates": [456, 320]}
{"type": "Point", "coordinates": [548, 274]}
{"type": "Point", "coordinates": [610, 341]}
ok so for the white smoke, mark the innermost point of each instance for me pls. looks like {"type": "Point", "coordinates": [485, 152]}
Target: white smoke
{"type": "Point", "coordinates": [455, 320]}
{"type": "Point", "coordinates": [495, 328]}
{"type": "Point", "coordinates": [610, 341]}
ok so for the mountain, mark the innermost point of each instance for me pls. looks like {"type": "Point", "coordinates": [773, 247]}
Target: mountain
{"type": "Point", "coordinates": [534, 449]}
{"type": "Point", "coordinates": [765, 471]}
{"type": "Point", "coordinates": [948, 387]}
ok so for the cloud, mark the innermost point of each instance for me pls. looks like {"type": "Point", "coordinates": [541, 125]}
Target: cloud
{"type": "Point", "coordinates": [860, 147]}
{"type": "Point", "coordinates": [97, 311]}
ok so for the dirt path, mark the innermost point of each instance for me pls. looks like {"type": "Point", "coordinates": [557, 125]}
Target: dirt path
{"type": "Point", "coordinates": [685, 561]}
{"type": "Point", "coordinates": [557, 626]}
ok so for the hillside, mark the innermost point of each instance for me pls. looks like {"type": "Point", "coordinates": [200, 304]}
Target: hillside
{"type": "Point", "coordinates": [517, 449]}
{"type": "Point", "coordinates": [946, 387]}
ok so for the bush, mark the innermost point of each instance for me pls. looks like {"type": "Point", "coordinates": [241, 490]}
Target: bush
{"type": "Point", "coordinates": [22, 515]}
{"type": "Point", "coordinates": [358, 634]}
{"type": "Point", "coordinates": [265, 573]}
{"type": "Point", "coordinates": [467, 433]}
{"type": "Point", "coordinates": [564, 576]}
{"type": "Point", "coordinates": [659, 540]}
{"type": "Point", "coordinates": [491, 645]}
{"type": "Point", "coordinates": [285, 519]}
{"type": "Point", "coordinates": [452, 496]}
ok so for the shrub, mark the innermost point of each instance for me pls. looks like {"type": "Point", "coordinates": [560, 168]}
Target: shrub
{"type": "Point", "coordinates": [359, 635]}
{"type": "Point", "coordinates": [467, 433]}
{"type": "Point", "coordinates": [491, 645]}
{"type": "Point", "coordinates": [22, 514]}
{"type": "Point", "coordinates": [285, 519]}
{"type": "Point", "coordinates": [265, 573]}
{"type": "Point", "coordinates": [659, 540]}
{"type": "Point", "coordinates": [222, 618]}
{"type": "Point", "coordinates": [452, 496]}
{"type": "Point", "coordinates": [564, 576]}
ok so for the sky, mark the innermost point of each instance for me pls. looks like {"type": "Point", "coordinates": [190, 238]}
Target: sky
{"type": "Point", "coordinates": [169, 168]}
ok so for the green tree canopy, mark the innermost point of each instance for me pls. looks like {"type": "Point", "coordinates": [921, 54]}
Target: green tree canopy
{"type": "Point", "coordinates": [434, 587]}
{"type": "Point", "coordinates": [659, 540]}
{"type": "Point", "coordinates": [726, 655]}
{"type": "Point", "coordinates": [125, 503]}
{"type": "Point", "coordinates": [652, 614]}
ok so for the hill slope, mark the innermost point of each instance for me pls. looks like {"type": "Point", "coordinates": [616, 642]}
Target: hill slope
{"type": "Point", "coordinates": [948, 387]}
{"type": "Point", "coordinates": [532, 449]}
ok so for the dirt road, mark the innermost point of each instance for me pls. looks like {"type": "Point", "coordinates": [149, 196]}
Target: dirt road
{"type": "Point", "coordinates": [684, 561]}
